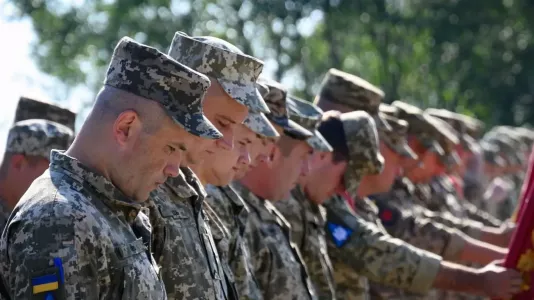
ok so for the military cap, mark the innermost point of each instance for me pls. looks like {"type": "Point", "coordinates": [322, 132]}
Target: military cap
{"type": "Point", "coordinates": [458, 123]}
{"type": "Point", "coordinates": [151, 74]}
{"type": "Point", "coordinates": [506, 147]}
{"type": "Point", "coordinates": [364, 153]}
{"type": "Point", "coordinates": [526, 135]}
{"type": "Point", "coordinates": [449, 140]}
{"type": "Point", "coordinates": [419, 125]}
{"type": "Point", "coordinates": [37, 137]}
{"type": "Point", "coordinates": [276, 99]}
{"type": "Point", "coordinates": [396, 138]}
{"type": "Point", "coordinates": [259, 123]}
{"type": "Point", "coordinates": [473, 127]}
{"type": "Point", "coordinates": [28, 108]}
{"type": "Point", "coordinates": [308, 116]}
{"type": "Point", "coordinates": [235, 71]}
{"type": "Point", "coordinates": [388, 109]}
{"type": "Point", "coordinates": [491, 154]}
{"type": "Point", "coordinates": [353, 92]}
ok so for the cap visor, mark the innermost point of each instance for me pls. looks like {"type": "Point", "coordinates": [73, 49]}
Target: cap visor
{"type": "Point", "coordinates": [259, 123]}
{"type": "Point", "coordinates": [298, 131]}
{"type": "Point", "coordinates": [246, 94]}
{"type": "Point", "coordinates": [436, 147]}
{"type": "Point", "coordinates": [317, 142]}
{"type": "Point", "coordinates": [381, 122]}
{"type": "Point", "coordinates": [406, 151]}
{"type": "Point", "coordinates": [197, 124]}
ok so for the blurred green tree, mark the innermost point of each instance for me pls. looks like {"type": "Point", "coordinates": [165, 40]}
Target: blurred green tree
{"type": "Point", "coordinates": [456, 54]}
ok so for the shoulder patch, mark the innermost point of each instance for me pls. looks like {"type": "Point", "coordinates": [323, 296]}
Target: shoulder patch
{"type": "Point", "coordinates": [49, 284]}
{"type": "Point", "coordinates": [339, 233]}
{"type": "Point", "coordinates": [388, 214]}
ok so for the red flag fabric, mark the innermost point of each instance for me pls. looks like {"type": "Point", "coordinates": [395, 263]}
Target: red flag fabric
{"type": "Point", "coordinates": [521, 247]}
{"type": "Point", "coordinates": [527, 185]}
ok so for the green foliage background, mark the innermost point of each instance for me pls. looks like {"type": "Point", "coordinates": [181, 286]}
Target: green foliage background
{"type": "Point", "coordinates": [474, 57]}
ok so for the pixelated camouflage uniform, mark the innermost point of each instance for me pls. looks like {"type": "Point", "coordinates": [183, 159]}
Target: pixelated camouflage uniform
{"type": "Point", "coordinates": [80, 217]}
{"type": "Point", "coordinates": [361, 249]}
{"type": "Point", "coordinates": [38, 128]}
{"type": "Point", "coordinates": [307, 222]}
{"type": "Point", "coordinates": [183, 244]}
{"type": "Point", "coordinates": [277, 262]}
{"type": "Point", "coordinates": [228, 215]}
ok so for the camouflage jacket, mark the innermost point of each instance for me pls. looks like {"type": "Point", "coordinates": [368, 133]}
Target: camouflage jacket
{"type": "Point", "coordinates": [4, 214]}
{"type": "Point", "coordinates": [277, 262]}
{"type": "Point", "coordinates": [227, 215]}
{"type": "Point", "coordinates": [307, 222]}
{"type": "Point", "coordinates": [403, 220]}
{"type": "Point", "coordinates": [71, 236]}
{"type": "Point", "coordinates": [183, 243]}
{"type": "Point", "coordinates": [468, 209]}
{"type": "Point", "coordinates": [359, 248]}
{"type": "Point", "coordinates": [369, 212]}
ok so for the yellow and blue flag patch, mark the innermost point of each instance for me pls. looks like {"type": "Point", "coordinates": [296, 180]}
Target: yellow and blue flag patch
{"type": "Point", "coordinates": [45, 283]}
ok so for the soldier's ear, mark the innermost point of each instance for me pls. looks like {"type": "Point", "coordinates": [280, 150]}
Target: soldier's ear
{"type": "Point", "coordinates": [126, 127]}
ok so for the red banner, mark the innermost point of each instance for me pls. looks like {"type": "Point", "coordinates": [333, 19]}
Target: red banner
{"type": "Point", "coordinates": [521, 248]}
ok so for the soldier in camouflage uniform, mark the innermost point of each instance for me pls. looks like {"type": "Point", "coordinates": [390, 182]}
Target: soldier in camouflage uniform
{"type": "Point", "coordinates": [424, 137]}
{"type": "Point", "coordinates": [359, 247]}
{"type": "Point", "coordinates": [307, 218]}
{"type": "Point", "coordinates": [455, 159]}
{"type": "Point", "coordinates": [277, 262]}
{"type": "Point", "coordinates": [38, 128]}
{"type": "Point", "coordinates": [226, 211]}
{"type": "Point", "coordinates": [80, 231]}
{"type": "Point", "coordinates": [183, 242]}
{"type": "Point", "coordinates": [401, 217]}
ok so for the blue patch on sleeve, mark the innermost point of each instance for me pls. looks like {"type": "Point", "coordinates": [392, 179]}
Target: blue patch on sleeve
{"type": "Point", "coordinates": [340, 234]}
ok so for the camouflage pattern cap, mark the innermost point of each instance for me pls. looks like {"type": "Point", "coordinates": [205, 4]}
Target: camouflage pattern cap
{"type": "Point", "coordinates": [396, 138]}
{"type": "Point", "coordinates": [473, 127]}
{"type": "Point", "coordinates": [448, 137]}
{"type": "Point", "coordinates": [37, 137]}
{"type": "Point", "coordinates": [259, 123]}
{"type": "Point", "coordinates": [491, 154]}
{"type": "Point", "coordinates": [364, 152]}
{"type": "Point", "coordinates": [353, 92]}
{"type": "Point", "coordinates": [506, 147]}
{"type": "Point", "coordinates": [388, 109]}
{"type": "Point", "coordinates": [308, 116]}
{"type": "Point", "coordinates": [148, 73]}
{"type": "Point", "coordinates": [28, 108]}
{"type": "Point", "coordinates": [419, 126]}
{"type": "Point", "coordinates": [235, 71]}
{"type": "Point", "coordinates": [276, 99]}
{"type": "Point", "coordinates": [526, 135]}
{"type": "Point", "coordinates": [458, 123]}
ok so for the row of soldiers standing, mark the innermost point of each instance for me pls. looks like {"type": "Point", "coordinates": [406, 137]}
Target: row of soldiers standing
{"type": "Point", "coordinates": [195, 178]}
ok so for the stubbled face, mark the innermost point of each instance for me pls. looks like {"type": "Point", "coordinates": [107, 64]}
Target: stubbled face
{"type": "Point", "coordinates": [260, 153]}
{"type": "Point", "coordinates": [226, 114]}
{"type": "Point", "coordinates": [220, 169]}
{"type": "Point", "coordinates": [325, 177]}
{"type": "Point", "coordinates": [149, 158]}
{"type": "Point", "coordinates": [286, 169]}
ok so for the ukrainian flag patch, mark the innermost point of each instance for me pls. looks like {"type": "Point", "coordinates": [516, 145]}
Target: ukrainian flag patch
{"type": "Point", "coordinates": [45, 283]}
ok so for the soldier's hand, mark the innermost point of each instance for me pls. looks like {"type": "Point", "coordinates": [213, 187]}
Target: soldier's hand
{"type": "Point", "coordinates": [500, 282]}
